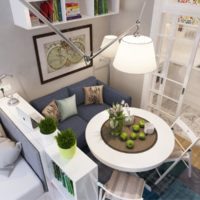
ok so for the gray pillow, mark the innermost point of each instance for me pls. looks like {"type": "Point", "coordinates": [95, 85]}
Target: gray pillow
{"type": "Point", "coordinates": [9, 152]}
{"type": "Point", "coordinates": [67, 107]}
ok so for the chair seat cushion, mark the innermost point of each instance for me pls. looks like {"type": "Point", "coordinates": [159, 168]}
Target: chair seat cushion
{"type": "Point", "coordinates": [125, 185]}
{"type": "Point", "coordinates": [88, 111]}
{"type": "Point", "coordinates": [78, 125]}
{"type": "Point", "coordinates": [22, 184]}
{"type": "Point", "coordinates": [177, 152]}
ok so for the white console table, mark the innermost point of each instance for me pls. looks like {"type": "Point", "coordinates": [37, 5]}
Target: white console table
{"type": "Point", "coordinates": [80, 171]}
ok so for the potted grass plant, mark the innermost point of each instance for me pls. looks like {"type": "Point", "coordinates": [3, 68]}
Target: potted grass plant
{"type": "Point", "coordinates": [48, 128]}
{"type": "Point", "coordinates": [66, 141]}
{"type": "Point", "coordinates": [47, 125]}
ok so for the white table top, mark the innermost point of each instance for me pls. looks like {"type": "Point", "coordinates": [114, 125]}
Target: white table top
{"type": "Point", "coordinates": [131, 162]}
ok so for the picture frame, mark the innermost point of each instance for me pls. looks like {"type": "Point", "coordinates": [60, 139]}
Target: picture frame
{"type": "Point", "coordinates": [56, 59]}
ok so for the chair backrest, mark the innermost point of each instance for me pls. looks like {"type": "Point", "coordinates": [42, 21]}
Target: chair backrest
{"type": "Point", "coordinates": [189, 133]}
{"type": "Point", "coordinates": [123, 186]}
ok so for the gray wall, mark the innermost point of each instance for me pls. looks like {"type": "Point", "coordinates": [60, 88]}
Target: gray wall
{"type": "Point", "coordinates": [17, 55]}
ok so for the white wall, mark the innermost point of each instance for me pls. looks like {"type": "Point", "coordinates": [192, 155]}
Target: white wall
{"type": "Point", "coordinates": [17, 55]}
{"type": "Point", "coordinates": [130, 10]}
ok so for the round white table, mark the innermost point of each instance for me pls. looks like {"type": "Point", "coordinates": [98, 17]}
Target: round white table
{"type": "Point", "coordinates": [131, 162]}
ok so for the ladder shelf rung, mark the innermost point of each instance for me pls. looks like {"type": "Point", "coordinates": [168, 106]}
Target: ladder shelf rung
{"type": "Point", "coordinates": [160, 110]}
{"type": "Point", "coordinates": [165, 96]}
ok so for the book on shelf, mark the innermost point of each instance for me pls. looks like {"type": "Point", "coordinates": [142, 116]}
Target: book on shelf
{"type": "Point", "coordinates": [72, 9]}
{"type": "Point", "coordinates": [63, 178]}
{"type": "Point", "coordinates": [197, 2]}
{"type": "Point", "coordinates": [51, 9]}
{"type": "Point", "coordinates": [100, 7]}
{"type": "Point", "coordinates": [34, 20]}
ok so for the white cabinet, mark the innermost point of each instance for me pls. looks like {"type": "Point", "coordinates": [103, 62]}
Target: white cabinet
{"type": "Point", "coordinates": [80, 171]}
{"type": "Point", "coordinates": [21, 14]}
{"type": "Point", "coordinates": [76, 179]}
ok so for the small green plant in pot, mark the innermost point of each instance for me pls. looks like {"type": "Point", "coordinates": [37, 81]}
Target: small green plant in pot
{"type": "Point", "coordinates": [48, 125]}
{"type": "Point", "coordinates": [66, 141]}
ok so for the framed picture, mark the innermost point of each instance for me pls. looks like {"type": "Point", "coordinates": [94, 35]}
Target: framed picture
{"type": "Point", "coordinates": [56, 58]}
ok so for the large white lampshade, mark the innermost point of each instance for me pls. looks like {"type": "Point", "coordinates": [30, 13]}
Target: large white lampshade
{"type": "Point", "coordinates": [111, 50]}
{"type": "Point", "coordinates": [135, 55]}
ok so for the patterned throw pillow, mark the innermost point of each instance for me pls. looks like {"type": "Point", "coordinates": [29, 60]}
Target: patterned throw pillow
{"type": "Point", "coordinates": [2, 133]}
{"type": "Point", "coordinates": [93, 94]}
{"type": "Point", "coordinates": [51, 110]}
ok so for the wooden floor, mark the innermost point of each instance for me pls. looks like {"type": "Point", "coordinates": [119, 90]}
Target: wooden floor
{"type": "Point", "coordinates": [195, 152]}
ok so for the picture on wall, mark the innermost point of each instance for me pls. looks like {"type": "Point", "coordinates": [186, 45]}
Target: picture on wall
{"type": "Point", "coordinates": [56, 58]}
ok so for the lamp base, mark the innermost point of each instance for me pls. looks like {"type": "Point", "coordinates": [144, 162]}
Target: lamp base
{"type": "Point", "coordinates": [13, 101]}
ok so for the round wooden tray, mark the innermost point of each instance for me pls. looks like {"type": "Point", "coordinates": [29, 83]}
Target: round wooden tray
{"type": "Point", "coordinates": [116, 143]}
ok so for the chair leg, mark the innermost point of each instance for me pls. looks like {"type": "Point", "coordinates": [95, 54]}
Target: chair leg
{"type": "Point", "coordinates": [104, 196]}
{"type": "Point", "coordinates": [158, 172]}
{"type": "Point", "coordinates": [167, 171]}
{"type": "Point", "coordinates": [100, 194]}
{"type": "Point", "coordinates": [190, 165]}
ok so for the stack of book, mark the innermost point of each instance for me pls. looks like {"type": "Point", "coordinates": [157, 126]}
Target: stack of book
{"type": "Point", "coordinates": [63, 178]}
{"type": "Point", "coordinates": [72, 9]}
{"type": "Point", "coordinates": [100, 7]}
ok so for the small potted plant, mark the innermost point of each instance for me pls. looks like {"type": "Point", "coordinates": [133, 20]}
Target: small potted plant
{"type": "Point", "coordinates": [48, 127]}
{"type": "Point", "coordinates": [116, 119]}
{"type": "Point", "coordinates": [66, 141]}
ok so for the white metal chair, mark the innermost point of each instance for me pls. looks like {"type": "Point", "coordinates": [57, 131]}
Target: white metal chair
{"type": "Point", "coordinates": [180, 152]}
{"type": "Point", "coordinates": [122, 186]}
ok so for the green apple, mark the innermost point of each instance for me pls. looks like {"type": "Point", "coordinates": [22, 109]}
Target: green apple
{"type": "Point", "coordinates": [133, 136]}
{"type": "Point", "coordinates": [124, 136]}
{"type": "Point", "coordinates": [142, 123]}
{"type": "Point", "coordinates": [136, 127]}
{"type": "Point", "coordinates": [129, 144]}
{"type": "Point", "coordinates": [142, 136]}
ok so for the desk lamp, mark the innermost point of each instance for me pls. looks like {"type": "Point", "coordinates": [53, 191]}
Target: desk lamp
{"type": "Point", "coordinates": [12, 100]}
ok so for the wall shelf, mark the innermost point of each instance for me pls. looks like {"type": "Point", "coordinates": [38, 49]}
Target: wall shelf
{"type": "Point", "coordinates": [21, 14]}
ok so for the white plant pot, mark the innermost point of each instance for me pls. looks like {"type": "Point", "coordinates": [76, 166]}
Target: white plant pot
{"type": "Point", "coordinates": [48, 139]}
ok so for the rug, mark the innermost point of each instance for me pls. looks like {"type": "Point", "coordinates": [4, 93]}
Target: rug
{"type": "Point", "coordinates": [175, 186]}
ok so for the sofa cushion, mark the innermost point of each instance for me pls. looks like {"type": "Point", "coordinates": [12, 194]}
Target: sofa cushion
{"type": "Point", "coordinates": [77, 89]}
{"type": "Point", "coordinates": [2, 132]}
{"type": "Point", "coordinates": [42, 102]}
{"type": "Point", "coordinates": [93, 94]}
{"type": "Point", "coordinates": [51, 110]}
{"type": "Point", "coordinates": [112, 96]}
{"type": "Point", "coordinates": [67, 107]}
{"type": "Point", "coordinates": [78, 125]}
{"type": "Point", "coordinates": [88, 111]}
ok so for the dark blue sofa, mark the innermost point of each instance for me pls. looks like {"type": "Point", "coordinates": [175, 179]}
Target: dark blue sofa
{"type": "Point", "coordinates": [85, 112]}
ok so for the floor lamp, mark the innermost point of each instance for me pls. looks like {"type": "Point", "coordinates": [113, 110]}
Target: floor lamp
{"type": "Point", "coordinates": [110, 51]}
